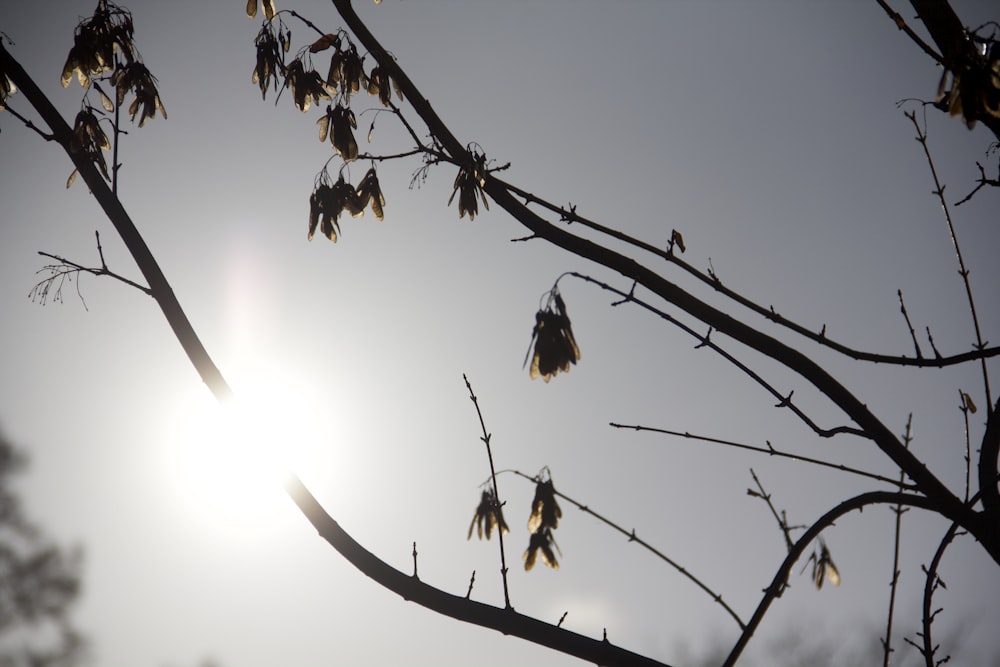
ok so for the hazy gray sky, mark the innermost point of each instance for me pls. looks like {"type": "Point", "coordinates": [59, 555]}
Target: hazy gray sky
{"type": "Point", "coordinates": [766, 132]}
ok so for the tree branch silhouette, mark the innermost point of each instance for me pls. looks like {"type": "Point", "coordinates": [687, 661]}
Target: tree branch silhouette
{"type": "Point", "coordinates": [894, 581]}
{"type": "Point", "coordinates": [506, 621]}
{"type": "Point", "coordinates": [774, 590]}
{"type": "Point", "coordinates": [712, 279]}
{"type": "Point", "coordinates": [769, 450]}
{"type": "Point", "coordinates": [628, 267]}
{"type": "Point", "coordinates": [633, 537]}
{"type": "Point", "coordinates": [461, 608]}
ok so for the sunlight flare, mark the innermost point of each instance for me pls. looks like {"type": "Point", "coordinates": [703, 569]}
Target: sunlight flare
{"type": "Point", "coordinates": [229, 462]}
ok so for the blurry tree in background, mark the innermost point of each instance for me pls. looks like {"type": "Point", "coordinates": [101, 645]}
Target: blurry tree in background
{"type": "Point", "coordinates": [331, 68]}
{"type": "Point", "coordinates": [38, 583]}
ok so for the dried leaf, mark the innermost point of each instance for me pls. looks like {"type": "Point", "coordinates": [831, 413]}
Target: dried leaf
{"type": "Point", "coordinates": [324, 42]}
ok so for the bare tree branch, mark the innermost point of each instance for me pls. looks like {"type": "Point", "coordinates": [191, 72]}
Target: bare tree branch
{"type": "Point", "coordinates": [410, 588]}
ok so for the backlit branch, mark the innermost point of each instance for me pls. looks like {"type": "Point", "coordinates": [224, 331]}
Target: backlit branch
{"type": "Point", "coordinates": [633, 537]}
{"type": "Point", "coordinates": [632, 270]}
{"type": "Point", "coordinates": [712, 279]}
{"type": "Point", "coordinates": [774, 590]}
{"type": "Point", "coordinates": [784, 401]}
{"type": "Point", "coordinates": [504, 620]}
{"type": "Point", "coordinates": [65, 269]}
{"type": "Point", "coordinates": [769, 450]}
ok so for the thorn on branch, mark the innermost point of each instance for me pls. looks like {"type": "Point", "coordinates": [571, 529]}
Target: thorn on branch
{"type": "Point", "coordinates": [930, 339]}
{"type": "Point", "coordinates": [706, 340]}
{"type": "Point", "coordinates": [472, 581]}
{"type": "Point", "coordinates": [628, 297]}
{"type": "Point", "coordinates": [983, 180]}
{"type": "Point", "coordinates": [100, 251]}
{"type": "Point", "coordinates": [415, 561]}
{"type": "Point", "coordinates": [561, 619]}
{"type": "Point", "coordinates": [786, 402]}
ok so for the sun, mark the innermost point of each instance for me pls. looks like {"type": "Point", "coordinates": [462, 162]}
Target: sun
{"type": "Point", "coordinates": [229, 462]}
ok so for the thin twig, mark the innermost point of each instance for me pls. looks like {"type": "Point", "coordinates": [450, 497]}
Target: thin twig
{"type": "Point", "coordinates": [782, 519]}
{"type": "Point", "coordinates": [962, 270]}
{"type": "Point", "coordinates": [983, 180]}
{"type": "Point", "coordinates": [931, 584]}
{"type": "Point", "coordinates": [898, 509]}
{"type": "Point", "coordinates": [633, 537]}
{"type": "Point", "coordinates": [901, 24]}
{"type": "Point", "coordinates": [769, 450]}
{"type": "Point", "coordinates": [79, 268]}
{"type": "Point", "coordinates": [28, 124]}
{"type": "Point", "coordinates": [909, 325]}
{"type": "Point", "coordinates": [496, 491]}
{"type": "Point", "coordinates": [705, 341]}
{"type": "Point", "coordinates": [965, 405]}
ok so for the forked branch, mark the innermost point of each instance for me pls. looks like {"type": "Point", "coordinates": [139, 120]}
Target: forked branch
{"type": "Point", "coordinates": [942, 498]}
{"type": "Point", "coordinates": [410, 588]}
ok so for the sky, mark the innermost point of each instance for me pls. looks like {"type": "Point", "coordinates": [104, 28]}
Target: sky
{"type": "Point", "coordinates": [767, 133]}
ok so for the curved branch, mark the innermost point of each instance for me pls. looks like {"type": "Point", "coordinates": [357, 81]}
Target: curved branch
{"type": "Point", "coordinates": [963, 271]}
{"type": "Point", "coordinates": [713, 281]}
{"type": "Point", "coordinates": [723, 322]}
{"type": "Point", "coordinates": [157, 281]}
{"type": "Point", "coordinates": [778, 583]}
{"type": "Point", "coordinates": [632, 537]}
{"type": "Point", "coordinates": [410, 588]}
{"type": "Point", "coordinates": [504, 620]}
{"type": "Point", "coordinates": [930, 585]}
{"type": "Point", "coordinates": [706, 341]}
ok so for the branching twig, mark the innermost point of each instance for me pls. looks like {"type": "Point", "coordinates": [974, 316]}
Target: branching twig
{"type": "Point", "coordinates": [496, 491]}
{"type": "Point", "coordinates": [988, 456]}
{"type": "Point", "coordinates": [983, 180]}
{"type": "Point", "coordinates": [782, 353]}
{"type": "Point", "coordinates": [28, 124]}
{"type": "Point", "coordinates": [778, 582]}
{"type": "Point", "coordinates": [65, 269]}
{"type": "Point", "coordinates": [504, 620]}
{"type": "Point", "coordinates": [706, 341]}
{"type": "Point", "coordinates": [782, 518]}
{"type": "Point", "coordinates": [966, 406]}
{"type": "Point", "coordinates": [633, 537]}
{"type": "Point", "coordinates": [931, 583]}
{"type": "Point", "coordinates": [711, 278]}
{"type": "Point", "coordinates": [962, 270]}
{"type": "Point", "coordinates": [769, 450]}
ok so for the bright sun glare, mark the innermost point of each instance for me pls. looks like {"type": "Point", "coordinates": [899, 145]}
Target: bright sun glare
{"type": "Point", "coordinates": [230, 462]}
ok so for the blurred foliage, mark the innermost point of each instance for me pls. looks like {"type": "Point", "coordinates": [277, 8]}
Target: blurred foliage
{"type": "Point", "coordinates": [39, 581]}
